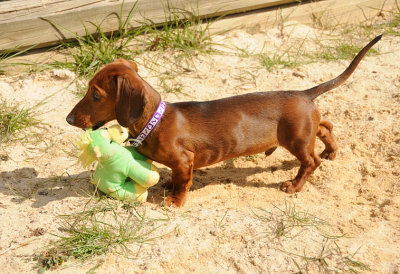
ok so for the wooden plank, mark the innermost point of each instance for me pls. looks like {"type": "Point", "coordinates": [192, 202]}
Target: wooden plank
{"type": "Point", "coordinates": [23, 9]}
{"type": "Point", "coordinates": [47, 22]}
{"type": "Point", "coordinates": [328, 13]}
{"type": "Point", "coordinates": [30, 23]}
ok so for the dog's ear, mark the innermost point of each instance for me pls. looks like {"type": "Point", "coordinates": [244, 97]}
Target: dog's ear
{"type": "Point", "coordinates": [129, 63]}
{"type": "Point", "coordinates": [133, 65]}
{"type": "Point", "coordinates": [130, 100]}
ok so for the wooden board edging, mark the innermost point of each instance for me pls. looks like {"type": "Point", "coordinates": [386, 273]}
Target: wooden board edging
{"type": "Point", "coordinates": [24, 23]}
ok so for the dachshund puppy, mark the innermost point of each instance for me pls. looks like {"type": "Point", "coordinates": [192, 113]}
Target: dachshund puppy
{"type": "Point", "coordinates": [191, 135]}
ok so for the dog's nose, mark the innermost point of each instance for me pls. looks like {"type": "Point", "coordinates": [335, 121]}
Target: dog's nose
{"type": "Point", "coordinates": [70, 119]}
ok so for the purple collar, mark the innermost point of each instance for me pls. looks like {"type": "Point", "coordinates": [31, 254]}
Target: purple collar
{"type": "Point", "coordinates": [151, 124]}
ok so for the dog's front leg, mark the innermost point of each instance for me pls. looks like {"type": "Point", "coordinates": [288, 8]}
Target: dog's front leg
{"type": "Point", "coordinates": [182, 176]}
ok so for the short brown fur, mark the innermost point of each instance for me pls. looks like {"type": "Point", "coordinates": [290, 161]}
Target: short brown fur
{"type": "Point", "coordinates": [196, 134]}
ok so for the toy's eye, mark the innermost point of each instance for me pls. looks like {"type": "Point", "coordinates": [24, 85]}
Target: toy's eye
{"type": "Point", "coordinates": [96, 97]}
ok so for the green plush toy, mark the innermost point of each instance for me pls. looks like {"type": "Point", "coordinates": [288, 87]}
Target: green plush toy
{"type": "Point", "coordinates": [116, 164]}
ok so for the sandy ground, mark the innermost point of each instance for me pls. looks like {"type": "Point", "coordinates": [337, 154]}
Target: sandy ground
{"type": "Point", "coordinates": [221, 228]}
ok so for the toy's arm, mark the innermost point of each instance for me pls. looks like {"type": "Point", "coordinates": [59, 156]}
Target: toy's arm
{"type": "Point", "coordinates": [143, 173]}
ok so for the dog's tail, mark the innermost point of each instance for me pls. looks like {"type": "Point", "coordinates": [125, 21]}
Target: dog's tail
{"type": "Point", "coordinates": [316, 91]}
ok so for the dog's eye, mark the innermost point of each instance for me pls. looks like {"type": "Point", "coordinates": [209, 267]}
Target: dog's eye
{"type": "Point", "coordinates": [96, 97]}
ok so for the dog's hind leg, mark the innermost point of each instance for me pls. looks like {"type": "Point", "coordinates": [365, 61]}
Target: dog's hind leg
{"type": "Point", "coordinates": [309, 162]}
{"type": "Point", "coordinates": [325, 134]}
{"type": "Point", "coordinates": [298, 135]}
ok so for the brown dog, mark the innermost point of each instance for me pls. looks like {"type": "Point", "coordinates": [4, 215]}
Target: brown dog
{"type": "Point", "coordinates": [191, 135]}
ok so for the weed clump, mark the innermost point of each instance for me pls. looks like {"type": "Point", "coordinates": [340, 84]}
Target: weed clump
{"type": "Point", "coordinates": [107, 225]}
{"type": "Point", "coordinates": [287, 224]}
{"type": "Point", "coordinates": [14, 119]}
{"type": "Point", "coordinates": [182, 31]}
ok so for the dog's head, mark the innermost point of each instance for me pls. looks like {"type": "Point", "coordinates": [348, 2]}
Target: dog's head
{"type": "Point", "coordinates": [115, 92]}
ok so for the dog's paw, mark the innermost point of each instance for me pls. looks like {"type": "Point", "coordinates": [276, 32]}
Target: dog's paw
{"type": "Point", "coordinates": [174, 201]}
{"type": "Point", "coordinates": [328, 155]}
{"type": "Point", "coordinates": [289, 187]}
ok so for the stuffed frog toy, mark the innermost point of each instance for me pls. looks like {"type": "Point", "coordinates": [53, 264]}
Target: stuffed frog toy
{"type": "Point", "coordinates": [121, 172]}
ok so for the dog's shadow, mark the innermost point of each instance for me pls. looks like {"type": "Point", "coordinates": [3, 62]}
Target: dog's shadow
{"type": "Point", "coordinates": [227, 173]}
{"type": "Point", "coordinates": [24, 183]}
